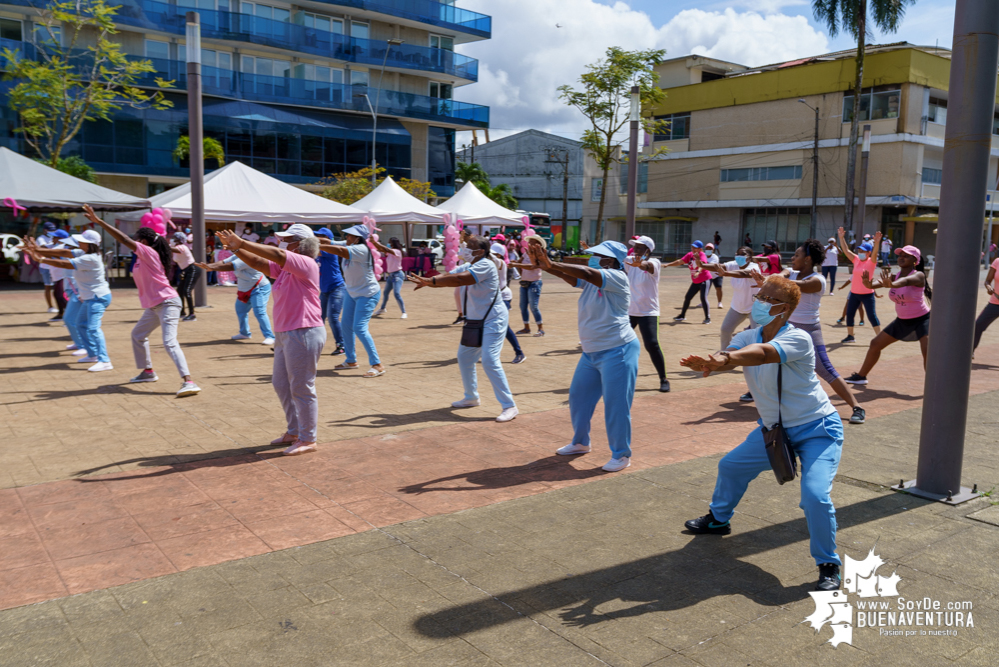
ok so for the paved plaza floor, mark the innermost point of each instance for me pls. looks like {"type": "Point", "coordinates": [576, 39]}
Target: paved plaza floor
{"type": "Point", "coordinates": [141, 529]}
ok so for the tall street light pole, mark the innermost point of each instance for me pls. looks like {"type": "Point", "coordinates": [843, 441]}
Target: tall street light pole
{"type": "Point", "coordinates": [815, 173]}
{"type": "Point", "coordinates": [633, 164]}
{"type": "Point", "coordinates": [389, 43]}
{"type": "Point", "coordinates": [967, 144]}
{"type": "Point", "coordinates": [195, 134]}
{"type": "Point", "coordinates": [865, 158]}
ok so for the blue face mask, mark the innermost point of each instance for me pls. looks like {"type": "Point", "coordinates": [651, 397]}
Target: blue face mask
{"type": "Point", "coordinates": [740, 260]}
{"type": "Point", "coordinates": [761, 313]}
{"type": "Point", "coordinates": [594, 261]}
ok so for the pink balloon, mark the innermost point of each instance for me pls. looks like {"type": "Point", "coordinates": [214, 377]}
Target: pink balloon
{"type": "Point", "coordinates": [167, 214]}
{"type": "Point", "coordinates": [146, 219]}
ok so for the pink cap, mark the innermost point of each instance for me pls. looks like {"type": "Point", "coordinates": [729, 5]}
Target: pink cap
{"type": "Point", "coordinates": [910, 250]}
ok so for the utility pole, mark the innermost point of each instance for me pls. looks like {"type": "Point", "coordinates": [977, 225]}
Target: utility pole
{"type": "Point", "coordinates": [815, 174]}
{"type": "Point", "coordinates": [967, 144]}
{"type": "Point", "coordinates": [553, 157]}
{"type": "Point", "coordinates": [865, 155]}
{"type": "Point", "coordinates": [196, 137]}
{"type": "Point", "coordinates": [634, 164]}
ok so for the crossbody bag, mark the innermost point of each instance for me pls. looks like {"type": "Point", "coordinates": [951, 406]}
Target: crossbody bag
{"type": "Point", "coordinates": [474, 330]}
{"type": "Point", "coordinates": [245, 296]}
{"type": "Point", "coordinates": [778, 445]}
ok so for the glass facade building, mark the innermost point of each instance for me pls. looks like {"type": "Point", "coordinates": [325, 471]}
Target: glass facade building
{"type": "Point", "coordinates": [287, 89]}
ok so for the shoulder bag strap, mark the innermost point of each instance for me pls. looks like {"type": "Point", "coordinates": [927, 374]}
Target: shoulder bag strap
{"type": "Point", "coordinates": [780, 368]}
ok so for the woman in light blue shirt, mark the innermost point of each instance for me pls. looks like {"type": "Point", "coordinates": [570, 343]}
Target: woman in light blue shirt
{"type": "Point", "coordinates": [811, 423]}
{"type": "Point", "coordinates": [361, 298]}
{"type": "Point", "coordinates": [608, 368]}
{"type": "Point", "coordinates": [253, 292]}
{"type": "Point", "coordinates": [481, 301]}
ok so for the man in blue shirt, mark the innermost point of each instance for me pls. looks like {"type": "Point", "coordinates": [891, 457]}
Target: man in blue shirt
{"type": "Point", "coordinates": [331, 290]}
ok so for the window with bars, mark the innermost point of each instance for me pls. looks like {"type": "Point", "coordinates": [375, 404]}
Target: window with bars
{"type": "Point", "coordinates": [788, 227]}
{"type": "Point", "coordinates": [788, 173]}
{"type": "Point", "coordinates": [932, 176]}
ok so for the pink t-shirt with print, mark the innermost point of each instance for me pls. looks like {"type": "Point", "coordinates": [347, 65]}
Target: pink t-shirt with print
{"type": "Point", "coordinates": [393, 261]}
{"type": "Point", "coordinates": [696, 275]}
{"type": "Point", "coordinates": [296, 293]}
{"type": "Point", "coordinates": [150, 279]}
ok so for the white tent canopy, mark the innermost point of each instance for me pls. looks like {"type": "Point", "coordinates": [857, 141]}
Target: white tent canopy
{"type": "Point", "coordinates": [237, 193]}
{"type": "Point", "coordinates": [42, 189]}
{"type": "Point", "coordinates": [389, 203]}
{"type": "Point", "coordinates": [474, 208]}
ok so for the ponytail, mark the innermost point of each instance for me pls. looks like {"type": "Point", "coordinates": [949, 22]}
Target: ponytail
{"type": "Point", "coordinates": [927, 290]}
{"type": "Point", "coordinates": [159, 244]}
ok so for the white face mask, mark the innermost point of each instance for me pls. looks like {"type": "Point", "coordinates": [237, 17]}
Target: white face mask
{"type": "Point", "coordinates": [283, 245]}
{"type": "Point", "coordinates": [863, 256]}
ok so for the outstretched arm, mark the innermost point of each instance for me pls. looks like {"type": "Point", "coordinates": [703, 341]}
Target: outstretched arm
{"type": "Point", "coordinates": [841, 233]}
{"type": "Point", "coordinates": [248, 251]}
{"type": "Point", "coordinates": [452, 280]}
{"type": "Point", "coordinates": [116, 233]}
{"type": "Point", "coordinates": [643, 264]}
{"type": "Point", "coordinates": [756, 354]}
{"type": "Point", "coordinates": [567, 272]}
{"type": "Point", "coordinates": [329, 248]}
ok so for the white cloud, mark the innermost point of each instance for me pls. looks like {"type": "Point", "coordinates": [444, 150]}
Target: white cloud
{"type": "Point", "coordinates": [528, 57]}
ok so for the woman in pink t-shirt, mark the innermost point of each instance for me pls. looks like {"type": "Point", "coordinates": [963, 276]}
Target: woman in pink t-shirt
{"type": "Point", "coordinates": [299, 333]}
{"type": "Point", "coordinates": [863, 262]}
{"type": "Point", "coordinates": [991, 311]}
{"type": "Point", "coordinates": [911, 295]}
{"type": "Point", "coordinates": [394, 275]}
{"type": "Point", "coordinates": [700, 278]}
{"type": "Point", "coordinates": [160, 301]}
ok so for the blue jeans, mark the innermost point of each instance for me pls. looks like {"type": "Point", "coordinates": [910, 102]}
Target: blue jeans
{"type": "Point", "coordinates": [46, 276]}
{"type": "Point", "coordinates": [853, 303]}
{"type": "Point", "coordinates": [258, 303]}
{"type": "Point", "coordinates": [829, 273]}
{"type": "Point", "coordinates": [530, 294]}
{"type": "Point", "coordinates": [332, 303]}
{"type": "Point", "coordinates": [71, 317]}
{"type": "Point", "coordinates": [355, 318]}
{"type": "Point", "coordinates": [88, 324]}
{"type": "Point", "coordinates": [393, 283]}
{"type": "Point", "coordinates": [885, 257]}
{"type": "Point", "coordinates": [510, 335]}
{"type": "Point", "coordinates": [610, 374]}
{"type": "Point", "coordinates": [492, 345]}
{"type": "Point", "coordinates": [818, 445]}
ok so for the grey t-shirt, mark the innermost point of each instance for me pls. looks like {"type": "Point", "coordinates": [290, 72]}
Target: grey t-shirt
{"type": "Point", "coordinates": [359, 272]}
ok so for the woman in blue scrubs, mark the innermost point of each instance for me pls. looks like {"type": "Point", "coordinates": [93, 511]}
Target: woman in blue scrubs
{"type": "Point", "coordinates": [608, 367]}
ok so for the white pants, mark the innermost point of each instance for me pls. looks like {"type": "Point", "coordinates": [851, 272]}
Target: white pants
{"type": "Point", "coordinates": [296, 360]}
{"type": "Point", "coordinates": [165, 315]}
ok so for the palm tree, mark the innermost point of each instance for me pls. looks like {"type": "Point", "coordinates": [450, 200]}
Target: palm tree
{"type": "Point", "coordinates": [851, 16]}
{"type": "Point", "coordinates": [501, 194]}
{"type": "Point", "coordinates": [471, 173]}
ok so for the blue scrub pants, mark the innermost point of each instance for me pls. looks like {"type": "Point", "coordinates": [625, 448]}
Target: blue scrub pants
{"type": "Point", "coordinates": [610, 374]}
{"type": "Point", "coordinates": [258, 304]}
{"type": "Point", "coordinates": [818, 445]}
{"type": "Point", "coordinates": [393, 283]}
{"type": "Point", "coordinates": [88, 324]}
{"type": "Point", "coordinates": [492, 344]}
{"type": "Point", "coordinates": [71, 317]}
{"type": "Point", "coordinates": [511, 337]}
{"type": "Point", "coordinates": [332, 303]}
{"type": "Point", "coordinates": [355, 318]}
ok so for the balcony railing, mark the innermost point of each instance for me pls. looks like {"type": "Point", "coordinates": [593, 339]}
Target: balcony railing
{"type": "Point", "coordinates": [308, 92]}
{"type": "Point", "coordinates": [154, 15]}
{"type": "Point", "coordinates": [427, 11]}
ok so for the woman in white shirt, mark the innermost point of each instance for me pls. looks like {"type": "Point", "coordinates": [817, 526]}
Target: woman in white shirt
{"type": "Point", "coordinates": [643, 311]}
{"type": "Point", "coordinates": [394, 275]}
{"type": "Point", "coordinates": [741, 271]}
{"type": "Point", "coordinates": [830, 263]}
{"type": "Point", "coordinates": [716, 280]}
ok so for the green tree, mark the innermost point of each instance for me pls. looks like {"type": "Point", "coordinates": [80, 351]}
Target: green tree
{"type": "Point", "coordinates": [851, 16]}
{"type": "Point", "coordinates": [75, 166]}
{"type": "Point", "coordinates": [605, 100]}
{"type": "Point", "coordinates": [211, 147]}
{"type": "Point", "coordinates": [465, 172]}
{"type": "Point", "coordinates": [348, 187]}
{"type": "Point", "coordinates": [67, 84]}
{"type": "Point", "coordinates": [501, 193]}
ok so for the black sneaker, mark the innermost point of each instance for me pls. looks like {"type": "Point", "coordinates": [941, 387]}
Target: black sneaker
{"type": "Point", "coordinates": [707, 320]}
{"type": "Point", "coordinates": [338, 351]}
{"type": "Point", "coordinates": [191, 318]}
{"type": "Point", "coordinates": [858, 415]}
{"type": "Point", "coordinates": [829, 579]}
{"type": "Point", "coordinates": [679, 318]}
{"type": "Point", "coordinates": [747, 397]}
{"type": "Point", "coordinates": [849, 339]}
{"type": "Point", "coordinates": [519, 359]}
{"type": "Point", "coordinates": [856, 378]}
{"type": "Point", "coordinates": [459, 319]}
{"type": "Point", "coordinates": [840, 320]}
{"type": "Point", "coordinates": [664, 386]}
{"type": "Point", "coordinates": [861, 323]}
{"type": "Point", "coordinates": [706, 525]}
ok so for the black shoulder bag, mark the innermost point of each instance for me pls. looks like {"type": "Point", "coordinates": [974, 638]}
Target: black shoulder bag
{"type": "Point", "coordinates": [778, 446]}
{"type": "Point", "coordinates": [474, 330]}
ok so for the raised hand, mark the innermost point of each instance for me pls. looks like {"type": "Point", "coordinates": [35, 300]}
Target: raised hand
{"type": "Point", "coordinates": [635, 261]}
{"type": "Point", "coordinates": [759, 278]}
{"type": "Point", "coordinates": [91, 216]}
{"type": "Point", "coordinates": [886, 278]}
{"type": "Point", "coordinates": [229, 239]}
{"type": "Point", "coordinates": [841, 232]}
{"type": "Point", "coordinates": [703, 365]}
{"type": "Point", "coordinates": [420, 281]}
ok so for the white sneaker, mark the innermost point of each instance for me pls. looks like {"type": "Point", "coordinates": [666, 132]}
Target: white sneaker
{"type": "Point", "coordinates": [615, 465]}
{"type": "Point", "coordinates": [241, 337]}
{"type": "Point", "coordinates": [79, 353]}
{"type": "Point", "coordinates": [403, 316]}
{"type": "Point", "coordinates": [188, 389]}
{"type": "Point", "coordinates": [87, 360]}
{"type": "Point", "coordinates": [267, 341]}
{"type": "Point", "coordinates": [378, 312]}
{"type": "Point", "coordinates": [101, 366]}
{"type": "Point", "coordinates": [53, 310]}
{"type": "Point", "coordinates": [508, 414]}
{"type": "Point", "coordinates": [71, 346]}
{"type": "Point", "coordinates": [466, 403]}
{"type": "Point", "coordinates": [573, 449]}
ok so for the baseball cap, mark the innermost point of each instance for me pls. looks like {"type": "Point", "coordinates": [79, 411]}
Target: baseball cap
{"type": "Point", "coordinates": [697, 244]}
{"type": "Point", "coordinates": [832, 240]}
{"type": "Point", "coordinates": [866, 247]}
{"type": "Point", "coordinates": [323, 231]}
{"type": "Point", "coordinates": [910, 250]}
{"type": "Point", "coordinates": [499, 237]}
{"type": "Point", "coordinates": [645, 241]}
{"type": "Point", "coordinates": [498, 249]}
{"type": "Point", "coordinates": [60, 234]}
{"type": "Point", "coordinates": [179, 237]}
{"type": "Point", "coordinates": [611, 249]}
{"type": "Point", "coordinates": [70, 242]}
{"type": "Point", "coordinates": [358, 230]}
{"type": "Point", "coordinates": [89, 236]}
{"type": "Point", "coordinates": [709, 246]}
{"type": "Point", "coordinates": [298, 230]}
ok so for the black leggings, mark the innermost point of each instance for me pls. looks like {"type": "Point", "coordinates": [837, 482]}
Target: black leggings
{"type": "Point", "coordinates": [985, 318]}
{"type": "Point", "coordinates": [185, 286]}
{"type": "Point", "coordinates": [691, 291]}
{"type": "Point", "coordinates": [60, 296]}
{"type": "Point", "coordinates": [648, 325]}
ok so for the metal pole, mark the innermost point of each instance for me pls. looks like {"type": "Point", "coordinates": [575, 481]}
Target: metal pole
{"type": "Point", "coordinates": [196, 136]}
{"type": "Point", "coordinates": [865, 154]}
{"type": "Point", "coordinates": [968, 142]}
{"type": "Point", "coordinates": [633, 165]}
{"type": "Point", "coordinates": [815, 179]}
{"type": "Point", "coordinates": [565, 201]}
{"type": "Point", "coordinates": [374, 110]}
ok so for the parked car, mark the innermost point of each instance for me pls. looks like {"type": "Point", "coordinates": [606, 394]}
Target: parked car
{"type": "Point", "coordinates": [10, 243]}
